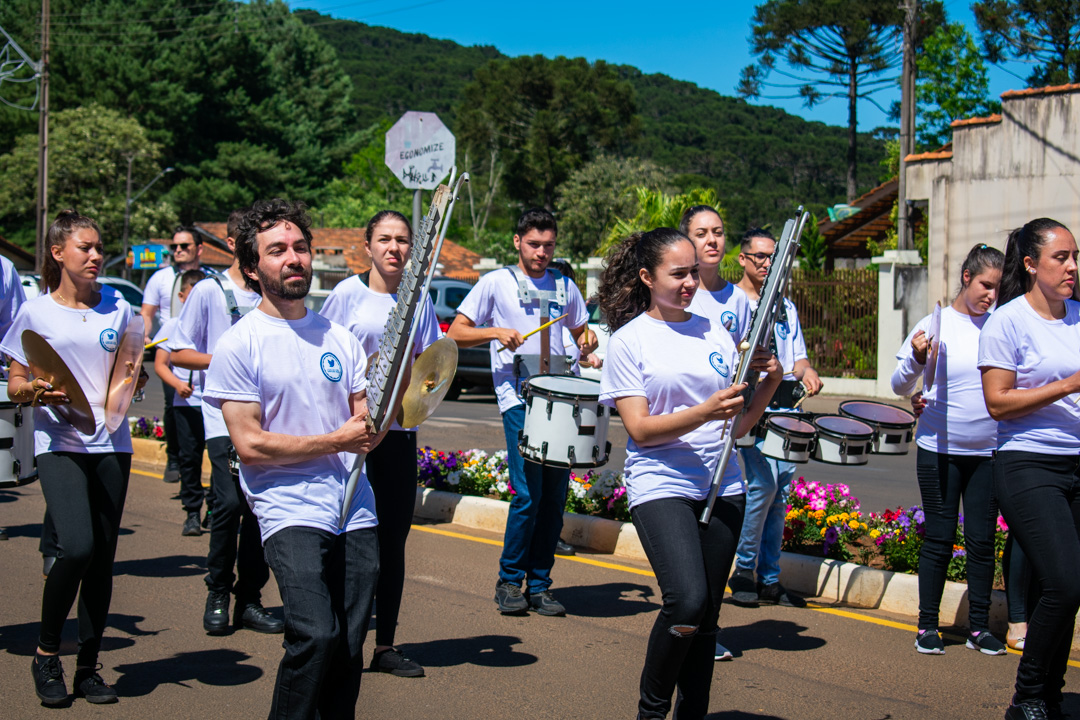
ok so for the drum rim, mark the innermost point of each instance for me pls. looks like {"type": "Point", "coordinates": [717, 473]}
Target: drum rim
{"type": "Point", "coordinates": [880, 423]}
{"type": "Point", "coordinates": [794, 433]}
{"type": "Point", "coordinates": [544, 392]}
{"type": "Point", "coordinates": [837, 434]}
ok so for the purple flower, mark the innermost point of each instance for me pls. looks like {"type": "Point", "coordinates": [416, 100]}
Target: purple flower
{"type": "Point", "coordinates": [920, 517]}
{"type": "Point", "coordinates": [904, 521]}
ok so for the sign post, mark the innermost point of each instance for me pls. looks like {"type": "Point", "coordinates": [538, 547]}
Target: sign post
{"type": "Point", "coordinates": [420, 151]}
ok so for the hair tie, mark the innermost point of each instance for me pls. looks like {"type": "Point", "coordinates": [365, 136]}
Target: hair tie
{"type": "Point", "coordinates": [982, 246]}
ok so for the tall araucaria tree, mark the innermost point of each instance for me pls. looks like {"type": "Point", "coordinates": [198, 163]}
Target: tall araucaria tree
{"type": "Point", "coordinates": [1043, 32]}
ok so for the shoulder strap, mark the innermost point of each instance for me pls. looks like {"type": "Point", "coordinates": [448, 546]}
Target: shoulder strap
{"type": "Point", "coordinates": [235, 311]}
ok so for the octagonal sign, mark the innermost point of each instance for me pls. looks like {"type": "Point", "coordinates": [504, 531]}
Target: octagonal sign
{"type": "Point", "coordinates": [420, 150]}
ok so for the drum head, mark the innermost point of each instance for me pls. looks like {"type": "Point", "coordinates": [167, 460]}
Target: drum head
{"type": "Point", "coordinates": [877, 413]}
{"type": "Point", "coordinates": [565, 386]}
{"type": "Point", "coordinates": [125, 374]}
{"type": "Point", "coordinates": [840, 425]}
{"type": "Point", "coordinates": [790, 424]}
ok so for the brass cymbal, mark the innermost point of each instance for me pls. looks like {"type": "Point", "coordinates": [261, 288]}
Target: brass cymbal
{"type": "Point", "coordinates": [432, 374]}
{"type": "Point", "coordinates": [46, 363]}
{"type": "Point", "coordinates": [125, 374]}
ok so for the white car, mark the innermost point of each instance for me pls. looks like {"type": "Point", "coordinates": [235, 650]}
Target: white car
{"type": "Point", "coordinates": [602, 336]}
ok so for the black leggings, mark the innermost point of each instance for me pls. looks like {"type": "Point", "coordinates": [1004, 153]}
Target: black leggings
{"type": "Point", "coordinates": [691, 564]}
{"type": "Point", "coordinates": [84, 497]}
{"type": "Point", "coordinates": [943, 480]}
{"type": "Point", "coordinates": [1040, 500]}
{"type": "Point", "coordinates": [391, 470]}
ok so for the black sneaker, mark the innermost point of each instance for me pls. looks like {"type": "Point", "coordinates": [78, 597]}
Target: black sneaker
{"type": "Point", "coordinates": [191, 525]}
{"type": "Point", "coordinates": [254, 616]}
{"type": "Point", "coordinates": [743, 588]}
{"type": "Point", "coordinates": [543, 603]}
{"type": "Point", "coordinates": [565, 549]}
{"type": "Point", "coordinates": [775, 594]}
{"type": "Point", "coordinates": [393, 662]}
{"type": "Point", "coordinates": [509, 599]}
{"type": "Point", "coordinates": [1033, 709]}
{"type": "Point", "coordinates": [172, 473]}
{"type": "Point", "coordinates": [986, 643]}
{"type": "Point", "coordinates": [49, 679]}
{"type": "Point", "coordinates": [89, 685]}
{"type": "Point", "coordinates": [1054, 711]}
{"type": "Point", "coordinates": [216, 617]}
{"type": "Point", "coordinates": [928, 642]}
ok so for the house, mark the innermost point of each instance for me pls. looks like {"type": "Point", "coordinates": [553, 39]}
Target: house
{"type": "Point", "coordinates": [23, 260]}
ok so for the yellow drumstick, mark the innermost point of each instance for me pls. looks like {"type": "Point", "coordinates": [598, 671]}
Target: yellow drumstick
{"type": "Point", "coordinates": [154, 344]}
{"type": "Point", "coordinates": [548, 324]}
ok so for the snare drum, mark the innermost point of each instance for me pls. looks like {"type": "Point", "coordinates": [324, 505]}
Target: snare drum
{"type": "Point", "coordinates": [842, 440]}
{"type": "Point", "coordinates": [788, 437]}
{"type": "Point", "coordinates": [565, 424]}
{"type": "Point", "coordinates": [893, 426]}
{"type": "Point", "coordinates": [18, 466]}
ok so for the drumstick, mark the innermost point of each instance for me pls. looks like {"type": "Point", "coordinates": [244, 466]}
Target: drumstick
{"type": "Point", "coordinates": [154, 344]}
{"type": "Point", "coordinates": [548, 324]}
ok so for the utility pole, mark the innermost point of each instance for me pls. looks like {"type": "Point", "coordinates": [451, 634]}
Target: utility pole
{"type": "Point", "coordinates": [43, 142]}
{"type": "Point", "coordinates": [907, 123]}
{"type": "Point", "coordinates": [127, 218]}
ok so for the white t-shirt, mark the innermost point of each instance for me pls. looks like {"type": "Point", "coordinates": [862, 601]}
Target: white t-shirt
{"type": "Point", "coordinates": [159, 289]}
{"type": "Point", "coordinates": [364, 312]}
{"type": "Point", "coordinates": [1040, 351]}
{"type": "Point", "coordinates": [673, 366]}
{"type": "Point", "coordinates": [729, 307]}
{"type": "Point", "coordinates": [494, 302]}
{"type": "Point", "coordinates": [955, 420]}
{"type": "Point", "coordinates": [301, 372]}
{"type": "Point", "coordinates": [790, 344]}
{"type": "Point", "coordinates": [11, 294]}
{"type": "Point", "coordinates": [195, 378]}
{"type": "Point", "coordinates": [203, 320]}
{"type": "Point", "coordinates": [89, 350]}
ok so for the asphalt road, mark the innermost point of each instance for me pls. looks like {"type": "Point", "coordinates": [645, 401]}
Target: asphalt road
{"type": "Point", "coordinates": [790, 664]}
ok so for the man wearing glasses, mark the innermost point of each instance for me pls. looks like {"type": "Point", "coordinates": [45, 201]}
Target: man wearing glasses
{"type": "Point", "coordinates": [186, 249]}
{"type": "Point", "coordinates": [769, 480]}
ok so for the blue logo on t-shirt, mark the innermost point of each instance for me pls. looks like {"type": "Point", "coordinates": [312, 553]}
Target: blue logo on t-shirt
{"type": "Point", "coordinates": [331, 367]}
{"type": "Point", "coordinates": [554, 310]}
{"type": "Point", "coordinates": [717, 361]}
{"type": "Point", "coordinates": [729, 321]}
{"type": "Point", "coordinates": [110, 339]}
{"type": "Point", "coordinates": [782, 330]}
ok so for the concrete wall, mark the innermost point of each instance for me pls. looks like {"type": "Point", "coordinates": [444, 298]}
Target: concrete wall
{"type": "Point", "coordinates": [1001, 175]}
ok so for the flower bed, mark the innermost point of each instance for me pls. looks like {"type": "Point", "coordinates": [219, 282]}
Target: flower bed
{"type": "Point", "coordinates": [142, 427]}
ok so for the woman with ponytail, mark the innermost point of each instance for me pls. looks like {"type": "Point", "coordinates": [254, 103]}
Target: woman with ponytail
{"type": "Point", "coordinates": [955, 440]}
{"type": "Point", "coordinates": [670, 374]}
{"type": "Point", "coordinates": [1030, 380]}
{"type": "Point", "coordinates": [84, 477]}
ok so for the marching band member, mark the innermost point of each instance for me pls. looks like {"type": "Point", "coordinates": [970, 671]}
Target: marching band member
{"type": "Point", "coordinates": [956, 438]}
{"type": "Point", "coordinates": [716, 298]}
{"type": "Point", "coordinates": [84, 478]}
{"type": "Point", "coordinates": [1031, 384]}
{"type": "Point", "coordinates": [11, 299]}
{"type": "Point", "coordinates": [677, 415]}
{"type": "Point", "coordinates": [212, 308]}
{"type": "Point", "coordinates": [768, 480]}
{"type": "Point", "coordinates": [362, 303]}
{"type": "Point", "coordinates": [510, 301]}
{"type": "Point", "coordinates": [296, 426]}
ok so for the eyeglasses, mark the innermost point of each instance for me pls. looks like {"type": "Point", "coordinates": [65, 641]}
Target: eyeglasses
{"type": "Point", "coordinates": [180, 246]}
{"type": "Point", "coordinates": [759, 257]}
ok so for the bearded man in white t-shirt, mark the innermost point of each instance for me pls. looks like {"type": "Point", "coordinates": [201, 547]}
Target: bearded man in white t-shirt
{"type": "Point", "coordinates": [493, 313]}
{"type": "Point", "coordinates": [291, 386]}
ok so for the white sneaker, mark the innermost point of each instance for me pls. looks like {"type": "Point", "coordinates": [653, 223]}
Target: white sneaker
{"type": "Point", "coordinates": [722, 653]}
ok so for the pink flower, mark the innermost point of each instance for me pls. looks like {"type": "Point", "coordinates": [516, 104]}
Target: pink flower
{"type": "Point", "coordinates": [1002, 526]}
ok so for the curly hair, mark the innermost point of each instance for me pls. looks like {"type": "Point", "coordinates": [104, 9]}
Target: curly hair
{"type": "Point", "coordinates": [63, 227]}
{"type": "Point", "coordinates": [1026, 241]}
{"type": "Point", "coordinates": [622, 295]}
{"type": "Point", "coordinates": [260, 217]}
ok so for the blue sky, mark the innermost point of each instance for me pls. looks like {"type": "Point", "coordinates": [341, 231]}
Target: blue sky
{"type": "Point", "coordinates": [703, 42]}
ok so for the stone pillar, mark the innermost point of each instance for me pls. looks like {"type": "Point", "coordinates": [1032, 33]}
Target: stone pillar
{"type": "Point", "coordinates": [593, 267]}
{"type": "Point", "coordinates": [901, 304]}
{"type": "Point", "coordinates": [486, 265]}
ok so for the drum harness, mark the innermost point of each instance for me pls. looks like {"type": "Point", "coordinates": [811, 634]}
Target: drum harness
{"type": "Point", "coordinates": [236, 311]}
{"type": "Point", "coordinates": [545, 363]}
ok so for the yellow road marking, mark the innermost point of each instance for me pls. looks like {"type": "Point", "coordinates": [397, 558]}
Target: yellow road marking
{"type": "Point", "coordinates": [147, 474]}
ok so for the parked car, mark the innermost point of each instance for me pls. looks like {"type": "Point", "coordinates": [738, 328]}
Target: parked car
{"type": "Point", "coordinates": [474, 364]}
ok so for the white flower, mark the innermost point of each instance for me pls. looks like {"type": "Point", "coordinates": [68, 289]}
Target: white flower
{"type": "Point", "coordinates": [579, 490]}
{"type": "Point", "coordinates": [454, 478]}
{"type": "Point", "coordinates": [502, 486]}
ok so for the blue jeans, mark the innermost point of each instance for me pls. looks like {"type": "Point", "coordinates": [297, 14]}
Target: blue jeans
{"type": "Point", "coordinates": [534, 522]}
{"type": "Point", "coordinates": [327, 582]}
{"type": "Point", "coordinates": [767, 484]}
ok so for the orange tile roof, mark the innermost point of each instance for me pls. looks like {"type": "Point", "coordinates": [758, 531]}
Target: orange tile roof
{"type": "Point", "coordinates": [1048, 90]}
{"type": "Point", "coordinates": [939, 155]}
{"type": "Point", "coordinates": [995, 118]}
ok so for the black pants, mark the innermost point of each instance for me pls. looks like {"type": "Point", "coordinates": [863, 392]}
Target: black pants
{"type": "Point", "coordinates": [1040, 500]}
{"type": "Point", "coordinates": [231, 517]}
{"type": "Point", "coordinates": [191, 442]}
{"type": "Point", "coordinates": [692, 565]}
{"type": "Point", "coordinates": [1014, 567]}
{"type": "Point", "coordinates": [168, 421]}
{"type": "Point", "coordinates": [326, 583]}
{"type": "Point", "coordinates": [943, 481]}
{"type": "Point", "coordinates": [84, 494]}
{"type": "Point", "coordinates": [391, 470]}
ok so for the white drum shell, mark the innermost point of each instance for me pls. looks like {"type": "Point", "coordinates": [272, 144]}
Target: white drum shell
{"type": "Point", "coordinates": [782, 444]}
{"type": "Point", "coordinates": [17, 463]}
{"type": "Point", "coordinates": [889, 438]}
{"type": "Point", "coordinates": [565, 424]}
{"type": "Point", "coordinates": [837, 448]}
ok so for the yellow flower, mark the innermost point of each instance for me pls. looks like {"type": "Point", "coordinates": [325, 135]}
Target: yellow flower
{"type": "Point", "coordinates": [822, 532]}
{"type": "Point", "coordinates": [874, 533]}
{"type": "Point", "coordinates": [845, 517]}
{"type": "Point", "coordinates": [863, 525]}
{"type": "Point", "coordinates": [854, 525]}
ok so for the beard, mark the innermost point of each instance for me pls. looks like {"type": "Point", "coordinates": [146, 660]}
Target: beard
{"type": "Point", "coordinates": [293, 289]}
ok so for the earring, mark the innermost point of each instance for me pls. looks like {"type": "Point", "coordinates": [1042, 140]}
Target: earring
{"type": "Point", "coordinates": [1031, 270]}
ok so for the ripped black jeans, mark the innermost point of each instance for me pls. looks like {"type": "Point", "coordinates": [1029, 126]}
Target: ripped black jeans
{"type": "Point", "coordinates": [692, 564]}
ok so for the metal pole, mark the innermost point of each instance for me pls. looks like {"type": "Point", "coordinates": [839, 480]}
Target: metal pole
{"type": "Point", "coordinates": [43, 143]}
{"type": "Point", "coordinates": [417, 199]}
{"type": "Point", "coordinates": [904, 239]}
{"type": "Point", "coordinates": [127, 218]}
